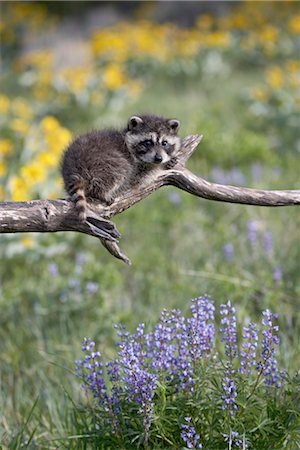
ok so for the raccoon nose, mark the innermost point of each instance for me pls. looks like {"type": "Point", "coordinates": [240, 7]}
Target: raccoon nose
{"type": "Point", "coordinates": [158, 158]}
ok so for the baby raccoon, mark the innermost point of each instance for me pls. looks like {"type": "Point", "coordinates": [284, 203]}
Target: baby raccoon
{"type": "Point", "coordinates": [101, 164]}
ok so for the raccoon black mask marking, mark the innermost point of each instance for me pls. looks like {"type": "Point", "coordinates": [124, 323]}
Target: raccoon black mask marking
{"type": "Point", "coordinates": [152, 139]}
{"type": "Point", "coordinates": [101, 164]}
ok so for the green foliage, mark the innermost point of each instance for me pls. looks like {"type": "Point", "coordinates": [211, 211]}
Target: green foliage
{"type": "Point", "coordinates": [238, 88]}
{"type": "Point", "coordinates": [171, 386]}
{"type": "Point", "coordinates": [270, 422]}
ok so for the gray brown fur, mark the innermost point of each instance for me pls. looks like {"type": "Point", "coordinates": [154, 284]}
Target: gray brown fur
{"type": "Point", "coordinates": [101, 164]}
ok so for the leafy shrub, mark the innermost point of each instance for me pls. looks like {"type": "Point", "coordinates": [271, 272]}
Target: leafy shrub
{"type": "Point", "coordinates": [186, 383]}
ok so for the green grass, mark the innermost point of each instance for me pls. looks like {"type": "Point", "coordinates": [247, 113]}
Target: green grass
{"type": "Point", "coordinates": [176, 252]}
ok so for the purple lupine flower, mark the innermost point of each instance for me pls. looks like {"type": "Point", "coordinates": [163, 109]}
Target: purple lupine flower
{"type": "Point", "coordinates": [74, 283]}
{"type": "Point", "coordinates": [277, 274]}
{"type": "Point", "coordinates": [92, 287]}
{"type": "Point", "coordinates": [181, 366]}
{"type": "Point", "coordinates": [249, 348]}
{"type": "Point", "coordinates": [140, 384]}
{"type": "Point", "coordinates": [189, 435]}
{"type": "Point", "coordinates": [256, 171]}
{"type": "Point", "coordinates": [160, 343]}
{"type": "Point", "coordinates": [90, 370]}
{"type": "Point", "coordinates": [228, 251]}
{"type": "Point", "coordinates": [79, 262]}
{"type": "Point", "coordinates": [113, 371]}
{"type": "Point", "coordinates": [167, 349]}
{"type": "Point", "coordinates": [230, 393]}
{"type": "Point", "coordinates": [270, 340]}
{"type": "Point", "coordinates": [53, 269]}
{"type": "Point", "coordinates": [87, 344]}
{"type": "Point", "coordinates": [200, 327]}
{"type": "Point", "coordinates": [252, 231]}
{"type": "Point", "coordinates": [267, 243]}
{"type": "Point", "coordinates": [175, 198]}
{"type": "Point", "coordinates": [219, 176]}
{"type": "Point", "coordinates": [234, 438]}
{"type": "Point", "coordinates": [228, 336]}
{"type": "Point", "coordinates": [80, 259]}
{"type": "Point", "coordinates": [228, 329]}
{"type": "Point", "coordinates": [236, 176]}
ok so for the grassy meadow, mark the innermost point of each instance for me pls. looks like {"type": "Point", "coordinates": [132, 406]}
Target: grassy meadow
{"type": "Point", "coordinates": [233, 77]}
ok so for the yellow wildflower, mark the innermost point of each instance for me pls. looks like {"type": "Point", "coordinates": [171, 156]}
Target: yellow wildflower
{"type": "Point", "coordinates": [19, 126]}
{"type": "Point", "coordinates": [2, 168]}
{"type": "Point", "coordinates": [274, 77]}
{"type": "Point", "coordinates": [239, 20]}
{"type": "Point", "coordinates": [40, 93]}
{"type": "Point", "coordinates": [4, 104]}
{"type": "Point", "coordinates": [48, 159]}
{"type": "Point", "coordinates": [293, 66]}
{"type": "Point", "coordinates": [294, 80]}
{"type": "Point", "coordinates": [49, 124]}
{"type": "Point", "coordinates": [97, 97]}
{"type": "Point", "coordinates": [44, 78]}
{"type": "Point", "coordinates": [8, 35]}
{"type": "Point", "coordinates": [57, 141]}
{"type": "Point", "coordinates": [41, 59]}
{"type": "Point", "coordinates": [27, 242]}
{"type": "Point", "coordinates": [76, 77]}
{"type": "Point", "coordinates": [259, 94]}
{"type": "Point", "coordinates": [5, 146]}
{"type": "Point", "coordinates": [33, 173]}
{"type": "Point", "coordinates": [224, 23]}
{"type": "Point", "coordinates": [18, 189]}
{"type": "Point", "coordinates": [21, 11]}
{"type": "Point", "coordinates": [110, 42]}
{"type": "Point", "coordinates": [268, 35]}
{"type": "Point", "coordinates": [21, 108]}
{"type": "Point", "coordinates": [113, 77]}
{"type": "Point", "coordinates": [148, 39]}
{"type": "Point", "coordinates": [294, 24]}
{"type": "Point", "coordinates": [217, 39]}
{"type": "Point", "coordinates": [2, 194]}
{"type": "Point", "coordinates": [63, 138]}
{"type": "Point", "coordinates": [188, 43]}
{"type": "Point", "coordinates": [293, 71]}
{"type": "Point", "coordinates": [205, 21]}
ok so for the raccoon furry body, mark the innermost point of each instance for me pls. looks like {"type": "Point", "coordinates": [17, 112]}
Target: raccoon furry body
{"type": "Point", "coordinates": [101, 164]}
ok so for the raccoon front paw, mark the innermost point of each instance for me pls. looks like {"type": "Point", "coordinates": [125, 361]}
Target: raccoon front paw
{"type": "Point", "coordinates": [170, 164]}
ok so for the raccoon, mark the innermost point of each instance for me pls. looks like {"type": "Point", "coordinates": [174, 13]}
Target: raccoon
{"type": "Point", "coordinates": [101, 164]}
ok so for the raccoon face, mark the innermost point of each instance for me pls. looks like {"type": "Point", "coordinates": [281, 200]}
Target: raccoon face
{"type": "Point", "coordinates": [152, 139]}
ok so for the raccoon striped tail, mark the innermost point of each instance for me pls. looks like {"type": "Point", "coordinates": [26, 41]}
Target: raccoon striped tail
{"type": "Point", "coordinates": [78, 197]}
{"type": "Point", "coordinates": [80, 204]}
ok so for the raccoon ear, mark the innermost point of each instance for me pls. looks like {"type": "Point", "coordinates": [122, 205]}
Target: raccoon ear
{"type": "Point", "coordinates": [134, 122]}
{"type": "Point", "coordinates": [174, 124]}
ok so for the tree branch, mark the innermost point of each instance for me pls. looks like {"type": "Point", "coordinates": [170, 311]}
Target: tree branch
{"type": "Point", "coordinates": [60, 215]}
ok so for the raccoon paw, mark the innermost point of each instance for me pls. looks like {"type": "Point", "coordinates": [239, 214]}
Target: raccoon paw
{"type": "Point", "coordinates": [170, 164]}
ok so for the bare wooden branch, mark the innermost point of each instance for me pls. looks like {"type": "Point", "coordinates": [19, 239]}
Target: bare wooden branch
{"type": "Point", "coordinates": [60, 215]}
{"type": "Point", "coordinates": [46, 216]}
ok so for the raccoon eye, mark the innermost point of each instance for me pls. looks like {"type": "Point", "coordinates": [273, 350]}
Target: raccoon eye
{"type": "Point", "coordinates": [164, 143]}
{"type": "Point", "coordinates": [147, 143]}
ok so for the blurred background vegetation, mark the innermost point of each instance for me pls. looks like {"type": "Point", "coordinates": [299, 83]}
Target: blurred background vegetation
{"type": "Point", "coordinates": [229, 70]}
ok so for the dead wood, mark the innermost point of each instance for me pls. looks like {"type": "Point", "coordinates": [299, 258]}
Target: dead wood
{"type": "Point", "coordinates": [60, 215]}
